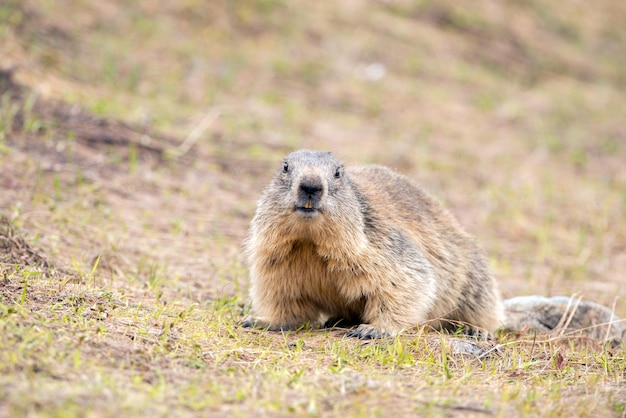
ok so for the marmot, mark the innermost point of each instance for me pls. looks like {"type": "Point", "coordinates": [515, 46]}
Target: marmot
{"type": "Point", "coordinates": [364, 245]}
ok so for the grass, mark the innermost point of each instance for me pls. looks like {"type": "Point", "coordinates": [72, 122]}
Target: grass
{"type": "Point", "coordinates": [121, 276]}
{"type": "Point", "coordinates": [78, 347]}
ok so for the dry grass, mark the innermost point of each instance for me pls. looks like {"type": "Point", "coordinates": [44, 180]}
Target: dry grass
{"type": "Point", "coordinates": [121, 279]}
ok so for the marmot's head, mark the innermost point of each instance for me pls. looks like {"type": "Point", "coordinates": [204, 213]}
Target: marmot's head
{"type": "Point", "coordinates": [311, 197]}
{"type": "Point", "coordinates": [308, 184]}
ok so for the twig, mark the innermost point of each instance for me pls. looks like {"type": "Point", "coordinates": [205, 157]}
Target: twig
{"type": "Point", "coordinates": [564, 323]}
{"type": "Point", "coordinates": [608, 328]}
{"type": "Point", "coordinates": [195, 134]}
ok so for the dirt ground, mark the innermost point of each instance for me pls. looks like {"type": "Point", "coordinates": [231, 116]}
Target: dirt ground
{"type": "Point", "coordinates": [135, 140]}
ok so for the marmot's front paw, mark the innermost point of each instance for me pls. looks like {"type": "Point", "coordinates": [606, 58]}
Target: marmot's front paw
{"type": "Point", "coordinates": [369, 332]}
{"type": "Point", "coordinates": [477, 333]}
{"type": "Point", "coordinates": [259, 323]}
{"type": "Point", "coordinates": [249, 322]}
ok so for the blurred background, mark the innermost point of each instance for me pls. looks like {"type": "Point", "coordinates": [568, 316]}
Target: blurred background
{"type": "Point", "coordinates": [143, 132]}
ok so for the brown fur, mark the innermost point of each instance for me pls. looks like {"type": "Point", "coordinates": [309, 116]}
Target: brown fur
{"type": "Point", "coordinates": [366, 245]}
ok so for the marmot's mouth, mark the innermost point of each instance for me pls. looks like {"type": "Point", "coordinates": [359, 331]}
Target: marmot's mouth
{"type": "Point", "coordinates": [307, 207]}
{"type": "Point", "coordinates": [303, 210]}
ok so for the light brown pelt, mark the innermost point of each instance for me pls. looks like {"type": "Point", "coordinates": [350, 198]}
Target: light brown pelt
{"type": "Point", "coordinates": [364, 245]}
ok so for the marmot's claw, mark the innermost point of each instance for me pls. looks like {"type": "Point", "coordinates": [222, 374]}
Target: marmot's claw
{"type": "Point", "coordinates": [479, 334]}
{"type": "Point", "coordinates": [252, 322]}
{"type": "Point", "coordinates": [259, 323]}
{"type": "Point", "coordinates": [355, 334]}
{"type": "Point", "coordinates": [247, 323]}
{"type": "Point", "coordinates": [368, 332]}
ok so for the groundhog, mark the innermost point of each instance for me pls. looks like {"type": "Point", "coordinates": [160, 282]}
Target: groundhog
{"type": "Point", "coordinates": [363, 245]}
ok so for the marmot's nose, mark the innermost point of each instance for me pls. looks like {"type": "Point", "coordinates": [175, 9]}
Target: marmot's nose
{"type": "Point", "coordinates": [311, 187]}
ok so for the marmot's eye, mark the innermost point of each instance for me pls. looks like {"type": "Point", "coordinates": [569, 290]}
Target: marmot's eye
{"type": "Point", "coordinates": [338, 172]}
{"type": "Point", "coordinates": [285, 167]}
